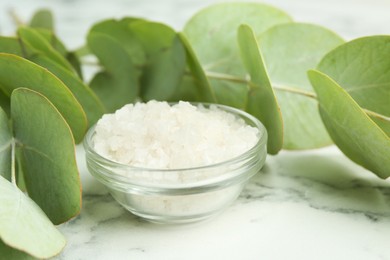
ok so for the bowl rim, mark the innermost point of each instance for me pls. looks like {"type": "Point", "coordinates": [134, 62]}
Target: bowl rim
{"type": "Point", "coordinates": [262, 141]}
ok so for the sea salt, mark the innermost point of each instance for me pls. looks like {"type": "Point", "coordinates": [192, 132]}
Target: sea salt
{"type": "Point", "coordinates": [158, 135]}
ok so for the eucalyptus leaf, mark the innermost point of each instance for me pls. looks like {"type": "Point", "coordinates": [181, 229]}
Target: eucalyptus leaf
{"type": "Point", "coordinates": [34, 43]}
{"type": "Point", "coordinates": [165, 59]}
{"type": "Point", "coordinates": [212, 34]}
{"type": "Point", "coordinates": [362, 68]}
{"type": "Point", "coordinates": [261, 100]}
{"type": "Point", "coordinates": [10, 45]}
{"type": "Point", "coordinates": [188, 90]}
{"type": "Point", "coordinates": [351, 129]}
{"type": "Point", "coordinates": [163, 73]}
{"type": "Point", "coordinates": [13, 254]}
{"type": "Point", "coordinates": [4, 102]}
{"type": "Point", "coordinates": [91, 104]}
{"type": "Point", "coordinates": [154, 49]}
{"type": "Point", "coordinates": [25, 227]}
{"type": "Point", "coordinates": [120, 31]}
{"type": "Point", "coordinates": [70, 56]}
{"type": "Point", "coordinates": [5, 146]}
{"type": "Point", "coordinates": [203, 91]}
{"type": "Point", "coordinates": [74, 60]}
{"type": "Point", "coordinates": [17, 72]}
{"type": "Point", "coordinates": [47, 154]}
{"type": "Point", "coordinates": [289, 50]}
{"type": "Point", "coordinates": [52, 39]}
{"type": "Point", "coordinates": [118, 83]}
{"type": "Point", "coordinates": [43, 19]}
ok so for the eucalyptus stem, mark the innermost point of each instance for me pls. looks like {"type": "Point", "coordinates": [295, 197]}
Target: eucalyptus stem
{"type": "Point", "coordinates": [226, 77]}
{"type": "Point", "coordinates": [376, 115]}
{"type": "Point", "coordinates": [295, 91]}
{"type": "Point", "coordinates": [15, 18]}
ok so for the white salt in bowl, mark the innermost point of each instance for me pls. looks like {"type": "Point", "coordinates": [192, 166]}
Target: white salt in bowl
{"type": "Point", "coordinates": [179, 195]}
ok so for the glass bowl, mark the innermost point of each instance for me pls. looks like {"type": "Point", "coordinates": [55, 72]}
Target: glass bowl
{"type": "Point", "coordinates": [155, 194]}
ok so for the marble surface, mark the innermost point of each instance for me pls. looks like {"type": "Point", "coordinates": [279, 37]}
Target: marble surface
{"type": "Point", "coordinates": [302, 205]}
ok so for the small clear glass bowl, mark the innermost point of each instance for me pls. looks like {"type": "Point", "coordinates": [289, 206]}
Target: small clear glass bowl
{"type": "Point", "coordinates": [156, 195]}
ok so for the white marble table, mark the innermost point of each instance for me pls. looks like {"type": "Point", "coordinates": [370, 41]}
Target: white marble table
{"type": "Point", "coordinates": [303, 205]}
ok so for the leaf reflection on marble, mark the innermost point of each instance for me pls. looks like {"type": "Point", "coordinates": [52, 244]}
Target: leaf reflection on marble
{"type": "Point", "coordinates": [326, 182]}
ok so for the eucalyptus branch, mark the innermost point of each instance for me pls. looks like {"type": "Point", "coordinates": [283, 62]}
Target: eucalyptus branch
{"type": "Point", "coordinates": [376, 115]}
{"type": "Point", "coordinates": [226, 77]}
{"type": "Point", "coordinates": [295, 91]}
{"type": "Point", "coordinates": [15, 18]}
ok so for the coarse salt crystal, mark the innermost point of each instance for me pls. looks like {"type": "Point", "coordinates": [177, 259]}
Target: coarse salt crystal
{"type": "Point", "coordinates": [157, 135]}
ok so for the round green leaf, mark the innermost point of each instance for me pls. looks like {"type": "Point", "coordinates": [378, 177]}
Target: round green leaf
{"type": "Point", "coordinates": [212, 34]}
{"type": "Point", "coordinates": [289, 50]}
{"type": "Point", "coordinates": [46, 153]}
{"type": "Point", "coordinates": [118, 83]}
{"type": "Point", "coordinates": [37, 45]}
{"type": "Point", "coordinates": [351, 129]}
{"type": "Point", "coordinates": [59, 47]}
{"type": "Point", "coordinates": [24, 226]}
{"type": "Point", "coordinates": [43, 18]}
{"type": "Point", "coordinates": [362, 68]}
{"type": "Point", "coordinates": [261, 100]}
{"type": "Point", "coordinates": [91, 104]}
{"type": "Point", "coordinates": [17, 72]}
{"type": "Point", "coordinates": [120, 31]}
{"type": "Point", "coordinates": [10, 45]}
{"type": "Point", "coordinates": [165, 59]}
{"type": "Point", "coordinates": [33, 42]}
{"type": "Point", "coordinates": [203, 91]}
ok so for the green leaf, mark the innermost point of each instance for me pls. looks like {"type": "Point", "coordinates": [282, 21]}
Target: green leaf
{"type": "Point", "coordinates": [163, 73]}
{"type": "Point", "coordinates": [52, 39]}
{"type": "Point", "coordinates": [212, 34]}
{"type": "Point", "coordinates": [10, 253]}
{"type": "Point", "coordinates": [289, 50]}
{"type": "Point", "coordinates": [117, 84]}
{"type": "Point", "coordinates": [5, 146]}
{"type": "Point", "coordinates": [43, 19]}
{"type": "Point", "coordinates": [362, 68]}
{"type": "Point", "coordinates": [34, 43]}
{"type": "Point", "coordinates": [4, 102]}
{"type": "Point", "coordinates": [10, 45]}
{"type": "Point", "coordinates": [91, 104]}
{"type": "Point", "coordinates": [71, 57]}
{"type": "Point", "coordinates": [120, 31]}
{"type": "Point", "coordinates": [17, 72]}
{"type": "Point", "coordinates": [261, 100]}
{"type": "Point", "coordinates": [47, 154]}
{"type": "Point", "coordinates": [74, 60]}
{"type": "Point", "coordinates": [165, 64]}
{"type": "Point", "coordinates": [188, 90]}
{"type": "Point", "coordinates": [25, 227]}
{"type": "Point", "coordinates": [351, 129]}
{"type": "Point", "coordinates": [203, 91]}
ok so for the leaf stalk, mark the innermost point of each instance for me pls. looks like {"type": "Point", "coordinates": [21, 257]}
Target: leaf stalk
{"type": "Point", "coordinates": [226, 77]}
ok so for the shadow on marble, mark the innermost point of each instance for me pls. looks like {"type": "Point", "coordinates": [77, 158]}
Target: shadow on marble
{"type": "Point", "coordinates": [327, 182]}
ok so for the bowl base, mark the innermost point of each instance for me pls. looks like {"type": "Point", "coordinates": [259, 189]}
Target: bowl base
{"type": "Point", "coordinates": [166, 220]}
